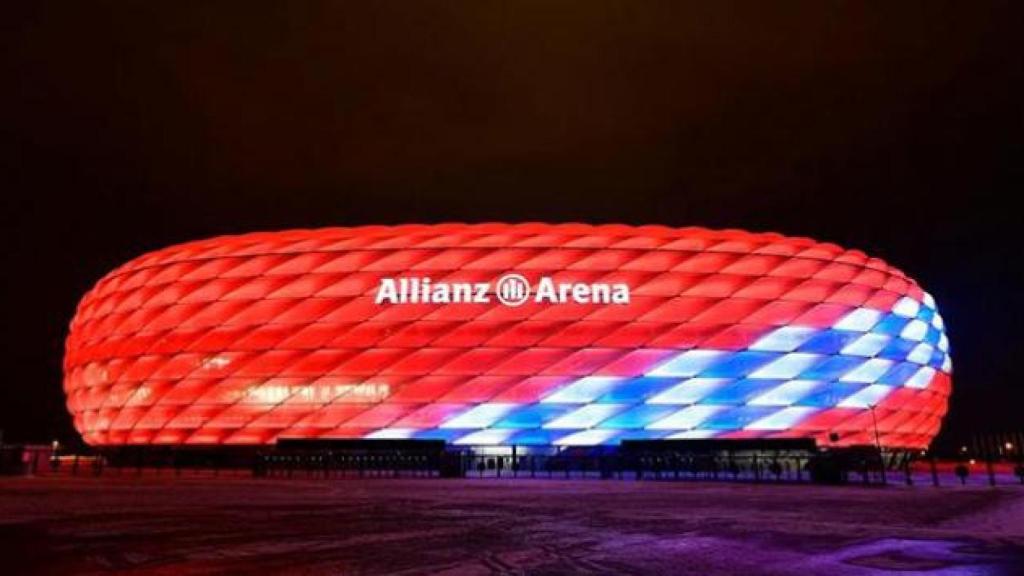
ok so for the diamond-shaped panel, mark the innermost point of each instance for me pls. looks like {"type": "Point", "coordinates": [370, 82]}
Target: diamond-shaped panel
{"type": "Point", "coordinates": [729, 334]}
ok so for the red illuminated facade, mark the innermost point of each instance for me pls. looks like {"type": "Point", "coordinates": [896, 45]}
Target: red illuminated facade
{"type": "Point", "coordinates": [605, 333]}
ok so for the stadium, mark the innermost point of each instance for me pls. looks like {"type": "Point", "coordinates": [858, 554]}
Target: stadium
{"type": "Point", "coordinates": [345, 334]}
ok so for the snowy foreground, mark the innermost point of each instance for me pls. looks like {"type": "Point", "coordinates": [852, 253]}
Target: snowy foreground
{"type": "Point", "coordinates": [189, 525]}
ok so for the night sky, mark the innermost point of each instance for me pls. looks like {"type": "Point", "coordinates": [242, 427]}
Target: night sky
{"type": "Point", "coordinates": [129, 126]}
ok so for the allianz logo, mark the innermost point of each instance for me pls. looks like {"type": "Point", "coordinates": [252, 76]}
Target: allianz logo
{"type": "Point", "coordinates": [509, 290]}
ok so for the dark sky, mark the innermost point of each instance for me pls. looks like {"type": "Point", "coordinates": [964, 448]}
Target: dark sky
{"type": "Point", "coordinates": [128, 126]}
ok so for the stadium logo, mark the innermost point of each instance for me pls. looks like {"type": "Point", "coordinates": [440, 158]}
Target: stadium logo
{"type": "Point", "coordinates": [513, 290]}
{"type": "Point", "coordinates": [510, 290]}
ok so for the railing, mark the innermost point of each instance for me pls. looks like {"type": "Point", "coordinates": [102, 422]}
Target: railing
{"type": "Point", "coordinates": [644, 467]}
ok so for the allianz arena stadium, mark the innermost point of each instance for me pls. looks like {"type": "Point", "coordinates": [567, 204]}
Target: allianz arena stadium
{"type": "Point", "coordinates": [507, 335]}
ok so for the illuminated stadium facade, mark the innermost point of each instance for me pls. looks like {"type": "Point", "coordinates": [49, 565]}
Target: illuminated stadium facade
{"type": "Point", "coordinates": [501, 335]}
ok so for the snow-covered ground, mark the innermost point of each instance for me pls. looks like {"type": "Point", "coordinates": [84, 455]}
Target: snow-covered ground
{"type": "Point", "coordinates": [189, 525]}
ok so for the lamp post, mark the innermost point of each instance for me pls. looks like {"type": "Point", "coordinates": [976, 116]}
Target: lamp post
{"type": "Point", "coordinates": [878, 442]}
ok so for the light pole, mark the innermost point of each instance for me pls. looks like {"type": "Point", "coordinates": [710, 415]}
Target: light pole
{"type": "Point", "coordinates": [878, 442]}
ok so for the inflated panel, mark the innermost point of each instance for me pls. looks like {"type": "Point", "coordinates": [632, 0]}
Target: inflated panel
{"type": "Point", "coordinates": [528, 334]}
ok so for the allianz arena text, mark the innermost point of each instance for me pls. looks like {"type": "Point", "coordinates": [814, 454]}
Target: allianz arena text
{"type": "Point", "coordinates": [507, 334]}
